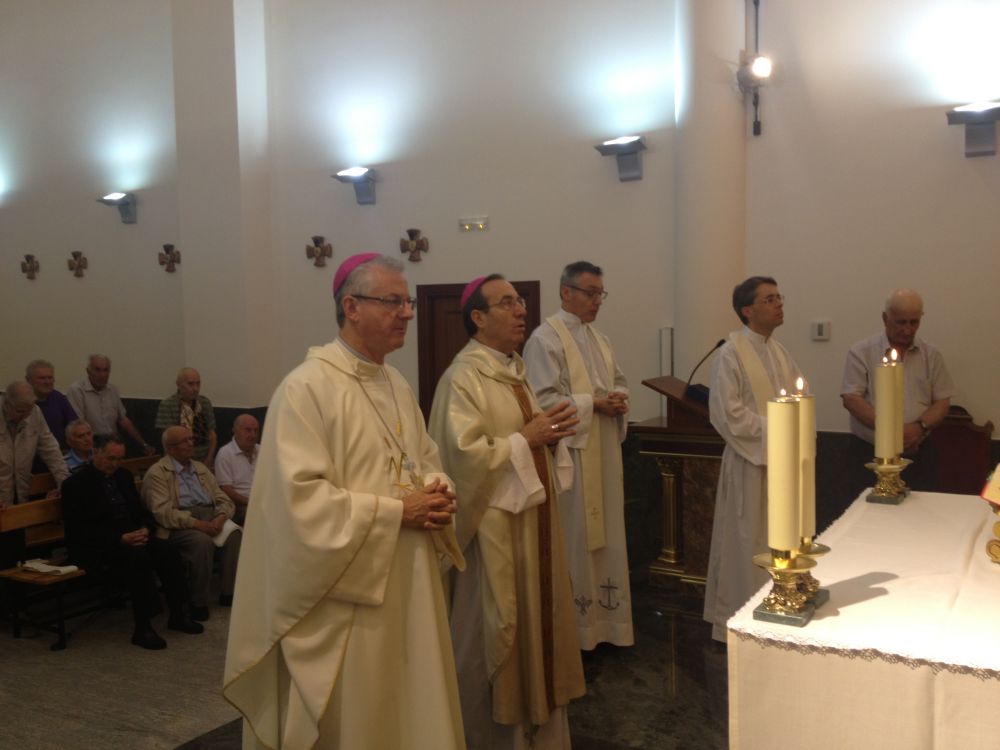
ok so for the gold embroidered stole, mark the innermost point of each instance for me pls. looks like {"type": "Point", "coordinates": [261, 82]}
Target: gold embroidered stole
{"type": "Point", "coordinates": [591, 467]}
{"type": "Point", "coordinates": [544, 552]}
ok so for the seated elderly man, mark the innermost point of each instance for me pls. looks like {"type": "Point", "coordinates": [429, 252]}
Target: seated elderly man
{"type": "Point", "coordinates": [109, 534]}
{"type": "Point", "coordinates": [236, 462]}
{"type": "Point", "coordinates": [191, 512]}
{"type": "Point", "coordinates": [80, 439]}
{"type": "Point", "coordinates": [55, 407]}
{"type": "Point", "coordinates": [188, 408]}
{"type": "Point", "coordinates": [24, 435]}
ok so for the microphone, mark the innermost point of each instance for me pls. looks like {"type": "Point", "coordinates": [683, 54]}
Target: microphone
{"type": "Point", "coordinates": [700, 392]}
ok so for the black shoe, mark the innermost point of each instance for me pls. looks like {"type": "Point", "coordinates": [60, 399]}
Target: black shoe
{"type": "Point", "coordinates": [185, 625]}
{"type": "Point", "coordinates": [199, 613]}
{"type": "Point", "coordinates": [226, 600]}
{"type": "Point", "coordinates": [148, 638]}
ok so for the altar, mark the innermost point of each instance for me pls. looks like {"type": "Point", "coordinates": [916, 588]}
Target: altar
{"type": "Point", "coordinates": [906, 654]}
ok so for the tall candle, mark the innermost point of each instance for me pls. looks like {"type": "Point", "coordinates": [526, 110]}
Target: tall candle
{"type": "Point", "coordinates": [885, 411]}
{"type": "Point", "coordinates": [807, 459]}
{"type": "Point", "coordinates": [783, 517]}
{"type": "Point", "coordinates": [899, 387]}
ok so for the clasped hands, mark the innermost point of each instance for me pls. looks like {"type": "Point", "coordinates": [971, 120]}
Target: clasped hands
{"type": "Point", "coordinates": [137, 538]}
{"type": "Point", "coordinates": [430, 508]}
{"type": "Point", "coordinates": [213, 528]}
{"type": "Point", "coordinates": [612, 405]}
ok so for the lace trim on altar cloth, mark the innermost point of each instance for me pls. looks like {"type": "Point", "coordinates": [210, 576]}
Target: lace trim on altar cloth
{"type": "Point", "coordinates": [805, 646]}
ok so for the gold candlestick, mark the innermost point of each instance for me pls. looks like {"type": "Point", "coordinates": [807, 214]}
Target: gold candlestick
{"type": "Point", "coordinates": [993, 545]}
{"type": "Point", "coordinates": [786, 604]}
{"type": "Point", "coordinates": [886, 490]}
{"type": "Point", "coordinates": [809, 585]}
{"type": "Point", "coordinates": [897, 479]}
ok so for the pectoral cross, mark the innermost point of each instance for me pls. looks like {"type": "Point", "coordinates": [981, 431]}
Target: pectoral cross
{"type": "Point", "coordinates": [415, 245]}
{"type": "Point", "coordinates": [77, 263]}
{"type": "Point", "coordinates": [169, 258]}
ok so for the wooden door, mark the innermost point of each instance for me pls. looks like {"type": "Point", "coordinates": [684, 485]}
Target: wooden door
{"type": "Point", "coordinates": [441, 335]}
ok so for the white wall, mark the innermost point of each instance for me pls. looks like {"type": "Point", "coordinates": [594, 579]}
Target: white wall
{"type": "Point", "coordinates": [858, 185]}
{"type": "Point", "coordinates": [87, 108]}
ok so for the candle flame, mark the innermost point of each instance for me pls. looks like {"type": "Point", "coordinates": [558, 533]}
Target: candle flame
{"type": "Point", "coordinates": [799, 384]}
{"type": "Point", "coordinates": [885, 360]}
{"type": "Point", "coordinates": [895, 355]}
{"type": "Point", "coordinates": [783, 392]}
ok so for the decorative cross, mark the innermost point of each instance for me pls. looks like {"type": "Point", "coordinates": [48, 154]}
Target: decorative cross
{"type": "Point", "coordinates": [169, 258]}
{"type": "Point", "coordinates": [415, 245]}
{"type": "Point", "coordinates": [30, 266]}
{"type": "Point", "coordinates": [77, 264]}
{"type": "Point", "coordinates": [319, 250]}
{"type": "Point", "coordinates": [610, 588]}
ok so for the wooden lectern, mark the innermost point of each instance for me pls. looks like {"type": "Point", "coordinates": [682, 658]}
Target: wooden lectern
{"type": "Point", "coordinates": [688, 453]}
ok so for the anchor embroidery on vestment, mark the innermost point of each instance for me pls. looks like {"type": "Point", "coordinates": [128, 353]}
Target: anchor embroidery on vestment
{"type": "Point", "coordinates": [609, 587]}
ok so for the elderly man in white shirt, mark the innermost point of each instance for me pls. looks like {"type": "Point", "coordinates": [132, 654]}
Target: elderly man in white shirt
{"type": "Point", "coordinates": [236, 462]}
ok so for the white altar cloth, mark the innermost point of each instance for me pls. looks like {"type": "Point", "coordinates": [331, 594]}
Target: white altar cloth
{"type": "Point", "coordinates": [906, 654]}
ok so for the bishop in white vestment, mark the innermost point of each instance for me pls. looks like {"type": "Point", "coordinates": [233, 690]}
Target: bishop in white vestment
{"type": "Point", "coordinates": [748, 370]}
{"type": "Point", "coordinates": [339, 633]}
{"type": "Point", "coordinates": [512, 618]}
{"type": "Point", "coordinates": [567, 358]}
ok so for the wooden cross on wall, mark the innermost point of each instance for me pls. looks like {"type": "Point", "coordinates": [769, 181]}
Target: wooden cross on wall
{"type": "Point", "coordinates": [30, 266]}
{"type": "Point", "coordinates": [77, 264]}
{"type": "Point", "coordinates": [169, 258]}
{"type": "Point", "coordinates": [414, 245]}
{"type": "Point", "coordinates": [319, 251]}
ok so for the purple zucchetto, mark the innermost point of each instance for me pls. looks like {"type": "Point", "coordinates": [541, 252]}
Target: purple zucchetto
{"type": "Point", "coordinates": [470, 289]}
{"type": "Point", "coordinates": [349, 265]}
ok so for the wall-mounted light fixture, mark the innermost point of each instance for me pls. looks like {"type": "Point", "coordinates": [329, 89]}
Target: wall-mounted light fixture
{"type": "Point", "coordinates": [363, 179]}
{"type": "Point", "coordinates": [754, 70]}
{"type": "Point", "coordinates": [980, 120]}
{"type": "Point", "coordinates": [627, 151]}
{"type": "Point", "coordinates": [125, 203]}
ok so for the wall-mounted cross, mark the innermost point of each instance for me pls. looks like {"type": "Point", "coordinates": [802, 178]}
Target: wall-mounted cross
{"type": "Point", "coordinates": [77, 264]}
{"type": "Point", "coordinates": [319, 251]}
{"type": "Point", "coordinates": [30, 266]}
{"type": "Point", "coordinates": [169, 258]}
{"type": "Point", "coordinates": [414, 245]}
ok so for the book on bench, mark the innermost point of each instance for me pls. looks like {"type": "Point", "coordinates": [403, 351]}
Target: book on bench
{"type": "Point", "coordinates": [40, 566]}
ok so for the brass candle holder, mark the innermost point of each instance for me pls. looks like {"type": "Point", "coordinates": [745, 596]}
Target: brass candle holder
{"type": "Point", "coordinates": [808, 584]}
{"type": "Point", "coordinates": [787, 603]}
{"type": "Point", "coordinates": [993, 545]}
{"type": "Point", "coordinates": [889, 486]}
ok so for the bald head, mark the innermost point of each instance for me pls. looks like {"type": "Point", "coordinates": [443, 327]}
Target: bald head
{"type": "Point", "coordinates": [246, 430]}
{"type": "Point", "coordinates": [19, 401]}
{"type": "Point", "coordinates": [904, 309]}
{"type": "Point", "coordinates": [178, 443]}
{"type": "Point", "coordinates": [98, 370]}
{"type": "Point", "coordinates": [188, 384]}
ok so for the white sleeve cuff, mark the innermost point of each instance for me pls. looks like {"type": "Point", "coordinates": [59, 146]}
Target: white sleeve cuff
{"type": "Point", "coordinates": [520, 487]}
{"type": "Point", "coordinates": [564, 467]}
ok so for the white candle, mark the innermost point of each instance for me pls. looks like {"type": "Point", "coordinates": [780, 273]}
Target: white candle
{"type": "Point", "coordinates": [898, 388]}
{"type": "Point", "coordinates": [783, 517]}
{"type": "Point", "coordinates": [807, 459]}
{"type": "Point", "coordinates": [885, 411]}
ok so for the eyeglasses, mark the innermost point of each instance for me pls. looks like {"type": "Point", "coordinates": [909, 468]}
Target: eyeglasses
{"type": "Point", "coordinates": [592, 293]}
{"type": "Point", "coordinates": [508, 303]}
{"type": "Point", "coordinates": [392, 304]}
{"type": "Point", "coordinates": [771, 299]}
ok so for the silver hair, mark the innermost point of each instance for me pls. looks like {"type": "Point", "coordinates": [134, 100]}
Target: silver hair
{"type": "Point", "coordinates": [359, 280]}
{"type": "Point", "coordinates": [19, 393]}
{"type": "Point", "coordinates": [895, 293]}
{"type": "Point", "coordinates": [37, 364]}
{"type": "Point", "coordinates": [92, 357]}
{"type": "Point", "coordinates": [76, 423]}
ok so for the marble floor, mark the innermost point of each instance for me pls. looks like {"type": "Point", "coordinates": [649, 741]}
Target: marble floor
{"type": "Point", "coordinates": [668, 692]}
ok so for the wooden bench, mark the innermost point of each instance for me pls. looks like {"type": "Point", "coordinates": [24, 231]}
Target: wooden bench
{"type": "Point", "coordinates": [41, 520]}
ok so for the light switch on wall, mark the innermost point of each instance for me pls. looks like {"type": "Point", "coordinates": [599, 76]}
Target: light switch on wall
{"type": "Point", "coordinates": [820, 330]}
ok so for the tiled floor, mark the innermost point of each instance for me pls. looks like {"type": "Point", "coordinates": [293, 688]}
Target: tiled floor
{"type": "Point", "coordinates": [668, 692]}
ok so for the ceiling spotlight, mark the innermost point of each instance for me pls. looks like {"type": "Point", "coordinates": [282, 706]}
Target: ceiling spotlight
{"type": "Point", "coordinates": [363, 179]}
{"type": "Point", "coordinates": [627, 151]}
{"type": "Point", "coordinates": [980, 120]}
{"type": "Point", "coordinates": [125, 203]}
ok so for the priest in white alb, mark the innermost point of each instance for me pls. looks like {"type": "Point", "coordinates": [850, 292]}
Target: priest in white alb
{"type": "Point", "coordinates": [512, 621]}
{"type": "Point", "coordinates": [567, 358]}
{"type": "Point", "coordinates": [339, 632]}
{"type": "Point", "coordinates": [750, 368]}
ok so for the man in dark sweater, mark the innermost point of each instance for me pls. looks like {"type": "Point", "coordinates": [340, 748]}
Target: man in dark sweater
{"type": "Point", "coordinates": [108, 532]}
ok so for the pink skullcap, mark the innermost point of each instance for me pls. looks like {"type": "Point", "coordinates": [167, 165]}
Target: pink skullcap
{"type": "Point", "coordinates": [470, 289]}
{"type": "Point", "coordinates": [349, 265]}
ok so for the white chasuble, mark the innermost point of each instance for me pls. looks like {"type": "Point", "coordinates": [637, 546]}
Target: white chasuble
{"type": "Point", "coordinates": [339, 634]}
{"type": "Point", "coordinates": [601, 592]}
{"type": "Point", "coordinates": [512, 612]}
{"type": "Point", "coordinates": [748, 369]}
